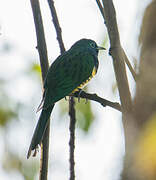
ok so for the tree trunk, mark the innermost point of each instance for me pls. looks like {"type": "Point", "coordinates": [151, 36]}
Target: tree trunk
{"type": "Point", "coordinates": [140, 127]}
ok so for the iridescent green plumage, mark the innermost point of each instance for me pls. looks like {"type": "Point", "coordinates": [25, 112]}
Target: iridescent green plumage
{"type": "Point", "coordinates": [68, 72]}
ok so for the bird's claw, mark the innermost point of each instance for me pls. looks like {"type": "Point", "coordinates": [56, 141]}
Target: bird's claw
{"type": "Point", "coordinates": [80, 90]}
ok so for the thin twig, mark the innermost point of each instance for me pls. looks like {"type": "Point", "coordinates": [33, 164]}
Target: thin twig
{"type": "Point", "coordinates": [100, 7]}
{"type": "Point", "coordinates": [56, 25]}
{"type": "Point", "coordinates": [130, 66]}
{"type": "Point", "coordinates": [71, 101]}
{"type": "Point", "coordinates": [42, 49]}
{"type": "Point", "coordinates": [103, 102]}
{"type": "Point", "coordinates": [72, 138]}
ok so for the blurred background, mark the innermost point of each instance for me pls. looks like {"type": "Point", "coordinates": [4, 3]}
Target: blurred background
{"type": "Point", "coordinates": [100, 136]}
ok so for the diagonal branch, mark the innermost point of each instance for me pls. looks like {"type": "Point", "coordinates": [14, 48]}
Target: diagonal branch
{"type": "Point", "coordinates": [71, 101]}
{"type": "Point", "coordinates": [100, 7]}
{"type": "Point", "coordinates": [124, 54]}
{"type": "Point", "coordinates": [116, 52]}
{"type": "Point", "coordinates": [56, 25]}
{"type": "Point", "coordinates": [130, 66]}
{"type": "Point", "coordinates": [94, 97]}
{"type": "Point", "coordinates": [42, 49]}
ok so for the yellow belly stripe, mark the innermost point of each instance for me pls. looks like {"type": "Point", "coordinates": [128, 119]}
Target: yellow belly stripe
{"type": "Point", "coordinates": [84, 83]}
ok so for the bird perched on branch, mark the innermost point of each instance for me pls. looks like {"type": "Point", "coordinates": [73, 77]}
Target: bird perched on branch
{"type": "Point", "coordinates": [67, 75]}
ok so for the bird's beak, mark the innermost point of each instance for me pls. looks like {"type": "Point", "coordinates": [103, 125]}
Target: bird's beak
{"type": "Point", "coordinates": [100, 48]}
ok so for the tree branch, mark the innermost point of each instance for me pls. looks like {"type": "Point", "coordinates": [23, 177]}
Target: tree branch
{"type": "Point", "coordinates": [72, 137]}
{"type": "Point", "coordinates": [42, 49]}
{"type": "Point", "coordinates": [71, 101]}
{"type": "Point", "coordinates": [100, 7]}
{"type": "Point", "coordinates": [116, 52]}
{"type": "Point", "coordinates": [124, 54]}
{"type": "Point", "coordinates": [129, 66]}
{"type": "Point", "coordinates": [94, 97]}
{"type": "Point", "coordinates": [56, 25]}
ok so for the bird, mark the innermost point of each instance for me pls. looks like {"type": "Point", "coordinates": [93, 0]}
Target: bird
{"type": "Point", "coordinates": [68, 74]}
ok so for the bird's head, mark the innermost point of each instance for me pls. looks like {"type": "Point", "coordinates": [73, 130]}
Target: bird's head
{"type": "Point", "coordinates": [87, 44]}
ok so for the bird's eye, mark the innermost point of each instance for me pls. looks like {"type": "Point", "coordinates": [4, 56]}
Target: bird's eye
{"type": "Point", "coordinates": [92, 45]}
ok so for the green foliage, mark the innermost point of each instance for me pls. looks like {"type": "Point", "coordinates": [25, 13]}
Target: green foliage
{"type": "Point", "coordinates": [84, 114]}
{"type": "Point", "coordinates": [35, 68]}
{"type": "Point", "coordinates": [6, 110]}
{"type": "Point", "coordinates": [6, 115]}
{"type": "Point", "coordinates": [9, 110]}
{"type": "Point", "coordinates": [12, 162]}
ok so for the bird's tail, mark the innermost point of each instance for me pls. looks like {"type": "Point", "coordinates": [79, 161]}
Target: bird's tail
{"type": "Point", "coordinates": [40, 129]}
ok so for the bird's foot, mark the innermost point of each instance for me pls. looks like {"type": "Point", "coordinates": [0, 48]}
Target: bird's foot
{"type": "Point", "coordinates": [79, 92]}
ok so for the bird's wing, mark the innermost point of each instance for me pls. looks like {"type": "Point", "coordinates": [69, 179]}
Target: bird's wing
{"type": "Point", "coordinates": [66, 74]}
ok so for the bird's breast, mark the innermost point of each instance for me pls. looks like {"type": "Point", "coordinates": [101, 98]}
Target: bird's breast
{"type": "Point", "coordinates": [85, 82]}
